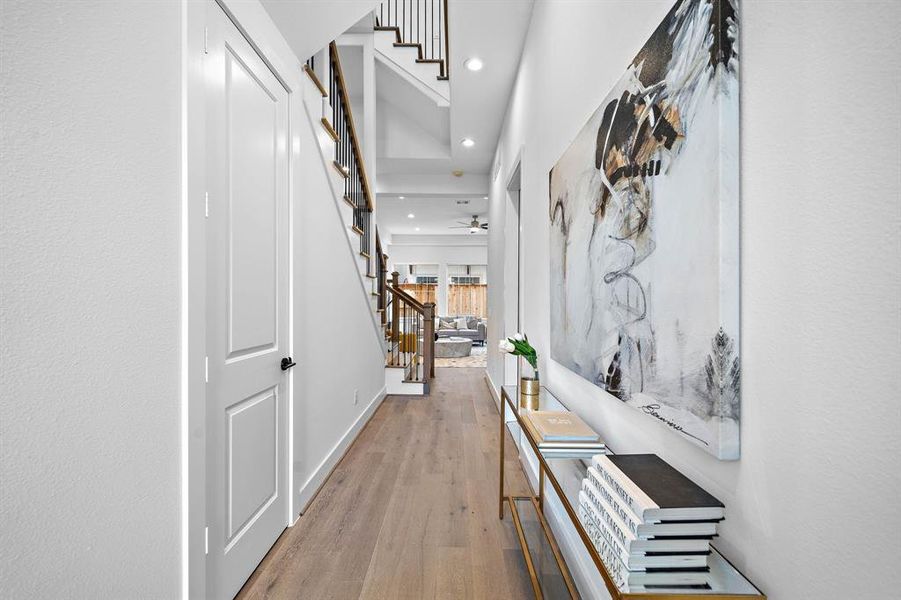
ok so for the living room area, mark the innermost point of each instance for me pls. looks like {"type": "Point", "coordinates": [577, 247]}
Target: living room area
{"type": "Point", "coordinates": [460, 295]}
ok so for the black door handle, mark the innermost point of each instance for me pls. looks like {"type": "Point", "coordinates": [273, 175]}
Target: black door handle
{"type": "Point", "coordinates": [287, 363]}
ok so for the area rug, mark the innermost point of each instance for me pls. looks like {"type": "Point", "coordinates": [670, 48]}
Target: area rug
{"type": "Point", "coordinates": [477, 358]}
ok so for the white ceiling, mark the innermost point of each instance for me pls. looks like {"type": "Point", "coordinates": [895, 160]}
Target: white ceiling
{"type": "Point", "coordinates": [494, 31]}
{"type": "Point", "coordinates": [433, 215]}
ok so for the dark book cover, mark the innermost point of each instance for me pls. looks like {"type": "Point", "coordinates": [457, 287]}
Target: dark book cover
{"type": "Point", "coordinates": [662, 483]}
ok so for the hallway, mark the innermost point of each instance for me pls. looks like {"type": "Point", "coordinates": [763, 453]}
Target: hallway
{"type": "Point", "coordinates": [411, 510]}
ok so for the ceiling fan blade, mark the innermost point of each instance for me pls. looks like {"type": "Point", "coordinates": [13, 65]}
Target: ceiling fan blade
{"type": "Point", "coordinates": [484, 225]}
{"type": "Point", "coordinates": [458, 227]}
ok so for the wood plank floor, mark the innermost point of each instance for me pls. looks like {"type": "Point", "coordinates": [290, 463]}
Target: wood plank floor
{"type": "Point", "coordinates": [411, 510]}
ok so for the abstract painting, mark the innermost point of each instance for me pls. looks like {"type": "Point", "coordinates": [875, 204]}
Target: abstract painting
{"type": "Point", "coordinates": [644, 242]}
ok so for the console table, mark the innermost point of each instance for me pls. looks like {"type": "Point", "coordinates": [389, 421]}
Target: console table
{"type": "Point", "coordinates": [547, 568]}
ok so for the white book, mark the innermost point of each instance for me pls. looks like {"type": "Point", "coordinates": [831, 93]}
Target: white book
{"type": "Point", "coordinates": [623, 577]}
{"type": "Point", "coordinates": [567, 453]}
{"type": "Point", "coordinates": [634, 498]}
{"type": "Point", "coordinates": [633, 523]}
{"type": "Point", "coordinates": [645, 529]}
{"type": "Point", "coordinates": [635, 544]}
{"type": "Point", "coordinates": [636, 561]}
{"type": "Point", "coordinates": [667, 495]}
{"type": "Point", "coordinates": [599, 445]}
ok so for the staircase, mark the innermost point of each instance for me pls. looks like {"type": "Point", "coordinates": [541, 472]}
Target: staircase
{"type": "Point", "coordinates": [420, 25]}
{"type": "Point", "coordinates": [405, 326]}
{"type": "Point", "coordinates": [409, 330]}
{"type": "Point", "coordinates": [411, 37]}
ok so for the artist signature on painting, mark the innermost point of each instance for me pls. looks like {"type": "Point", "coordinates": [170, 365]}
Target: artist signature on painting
{"type": "Point", "coordinates": [653, 410]}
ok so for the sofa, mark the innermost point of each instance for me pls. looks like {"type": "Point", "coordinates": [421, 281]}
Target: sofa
{"type": "Point", "coordinates": [476, 328]}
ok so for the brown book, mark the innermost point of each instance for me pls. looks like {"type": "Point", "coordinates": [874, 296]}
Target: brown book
{"type": "Point", "coordinates": [560, 426]}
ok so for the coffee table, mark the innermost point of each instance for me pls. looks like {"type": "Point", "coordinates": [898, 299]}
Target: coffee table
{"type": "Point", "coordinates": [453, 347]}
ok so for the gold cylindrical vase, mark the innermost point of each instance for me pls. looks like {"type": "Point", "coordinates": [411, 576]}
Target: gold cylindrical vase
{"type": "Point", "coordinates": [528, 393]}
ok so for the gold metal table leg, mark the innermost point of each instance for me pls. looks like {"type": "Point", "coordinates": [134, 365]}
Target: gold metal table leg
{"type": "Point", "coordinates": [501, 474]}
{"type": "Point", "coordinates": [540, 486]}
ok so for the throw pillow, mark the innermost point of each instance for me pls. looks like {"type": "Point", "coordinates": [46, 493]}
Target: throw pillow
{"type": "Point", "coordinates": [472, 323]}
{"type": "Point", "coordinates": [461, 323]}
{"type": "Point", "coordinates": [443, 324]}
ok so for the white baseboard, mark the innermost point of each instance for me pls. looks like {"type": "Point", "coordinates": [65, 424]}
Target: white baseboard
{"type": "Point", "coordinates": [312, 485]}
{"type": "Point", "coordinates": [495, 390]}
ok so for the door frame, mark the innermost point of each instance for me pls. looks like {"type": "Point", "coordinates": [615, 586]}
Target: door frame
{"type": "Point", "coordinates": [256, 26]}
{"type": "Point", "coordinates": [513, 186]}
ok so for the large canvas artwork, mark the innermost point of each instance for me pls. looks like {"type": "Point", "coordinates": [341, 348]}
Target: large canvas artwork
{"type": "Point", "coordinates": [645, 233]}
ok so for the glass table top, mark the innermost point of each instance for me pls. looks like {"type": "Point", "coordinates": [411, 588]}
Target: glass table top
{"type": "Point", "coordinates": [568, 473]}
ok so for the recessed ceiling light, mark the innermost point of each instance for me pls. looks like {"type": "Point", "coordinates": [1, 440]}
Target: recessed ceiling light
{"type": "Point", "coordinates": [467, 142]}
{"type": "Point", "coordinates": [417, 229]}
{"type": "Point", "coordinates": [411, 216]}
{"type": "Point", "coordinates": [474, 64]}
{"type": "Point", "coordinates": [401, 197]}
{"type": "Point", "coordinates": [484, 197]}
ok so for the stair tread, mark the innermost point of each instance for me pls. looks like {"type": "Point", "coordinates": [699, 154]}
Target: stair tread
{"type": "Point", "coordinates": [342, 170]}
{"type": "Point", "coordinates": [409, 45]}
{"type": "Point", "coordinates": [396, 31]}
{"type": "Point", "coordinates": [329, 129]}
{"type": "Point", "coordinates": [315, 80]}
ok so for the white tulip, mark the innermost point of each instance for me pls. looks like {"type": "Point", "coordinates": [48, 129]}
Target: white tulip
{"type": "Point", "coordinates": [505, 346]}
{"type": "Point", "coordinates": [518, 337]}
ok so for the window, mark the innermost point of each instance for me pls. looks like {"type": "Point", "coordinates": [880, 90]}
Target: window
{"type": "Point", "coordinates": [427, 279]}
{"type": "Point", "coordinates": [465, 279]}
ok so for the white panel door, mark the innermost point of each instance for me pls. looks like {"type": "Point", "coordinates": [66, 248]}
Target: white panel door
{"type": "Point", "coordinates": [247, 308]}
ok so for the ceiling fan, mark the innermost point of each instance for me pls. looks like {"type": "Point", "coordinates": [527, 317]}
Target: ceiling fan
{"type": "Point", "coordinates": [473, 226]}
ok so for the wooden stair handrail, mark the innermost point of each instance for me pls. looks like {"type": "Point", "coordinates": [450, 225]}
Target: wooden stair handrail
{"type": "Point", "coordinates": [426, 312]}
{"type": "Point", "coordinates": [419, 306]}
{"type": "Point", "coordinates": [351, 128]}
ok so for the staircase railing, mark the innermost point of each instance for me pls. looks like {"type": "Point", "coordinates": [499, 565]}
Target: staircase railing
{"type": "Point", "coordinates": [410, 331]}
{"type": "Point", "coordinates": [349, 157]}
{"type": "Point", "coordinates": [419, 23]}
{"type": "Point", "coordinates": [381, 277]}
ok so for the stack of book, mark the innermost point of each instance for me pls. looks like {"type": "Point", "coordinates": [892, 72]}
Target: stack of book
{"type": "Point", "coordinates": [651, 525]}
{"type": "Point", "coordinates": [561, 434]}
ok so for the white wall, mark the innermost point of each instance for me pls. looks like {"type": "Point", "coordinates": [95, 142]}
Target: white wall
{"type": "Point", "coordinates": [812, 506]}
{"type": "Point", "coordinates": [497, 257]}
{"type": "Point", "coordinates": [90, 414]}
{"type": "Point", "coordinates": [337, 345]}
{"type": "Point", "coordinates": [309, 25]}
{"type": "Point", "coordinates": [89, 262]}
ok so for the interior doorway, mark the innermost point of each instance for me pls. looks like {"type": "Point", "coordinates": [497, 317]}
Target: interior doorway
{"type": "Point", "coordinates": [512, 270]}
{"type": "Point", "coordinates": [247, 293]}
